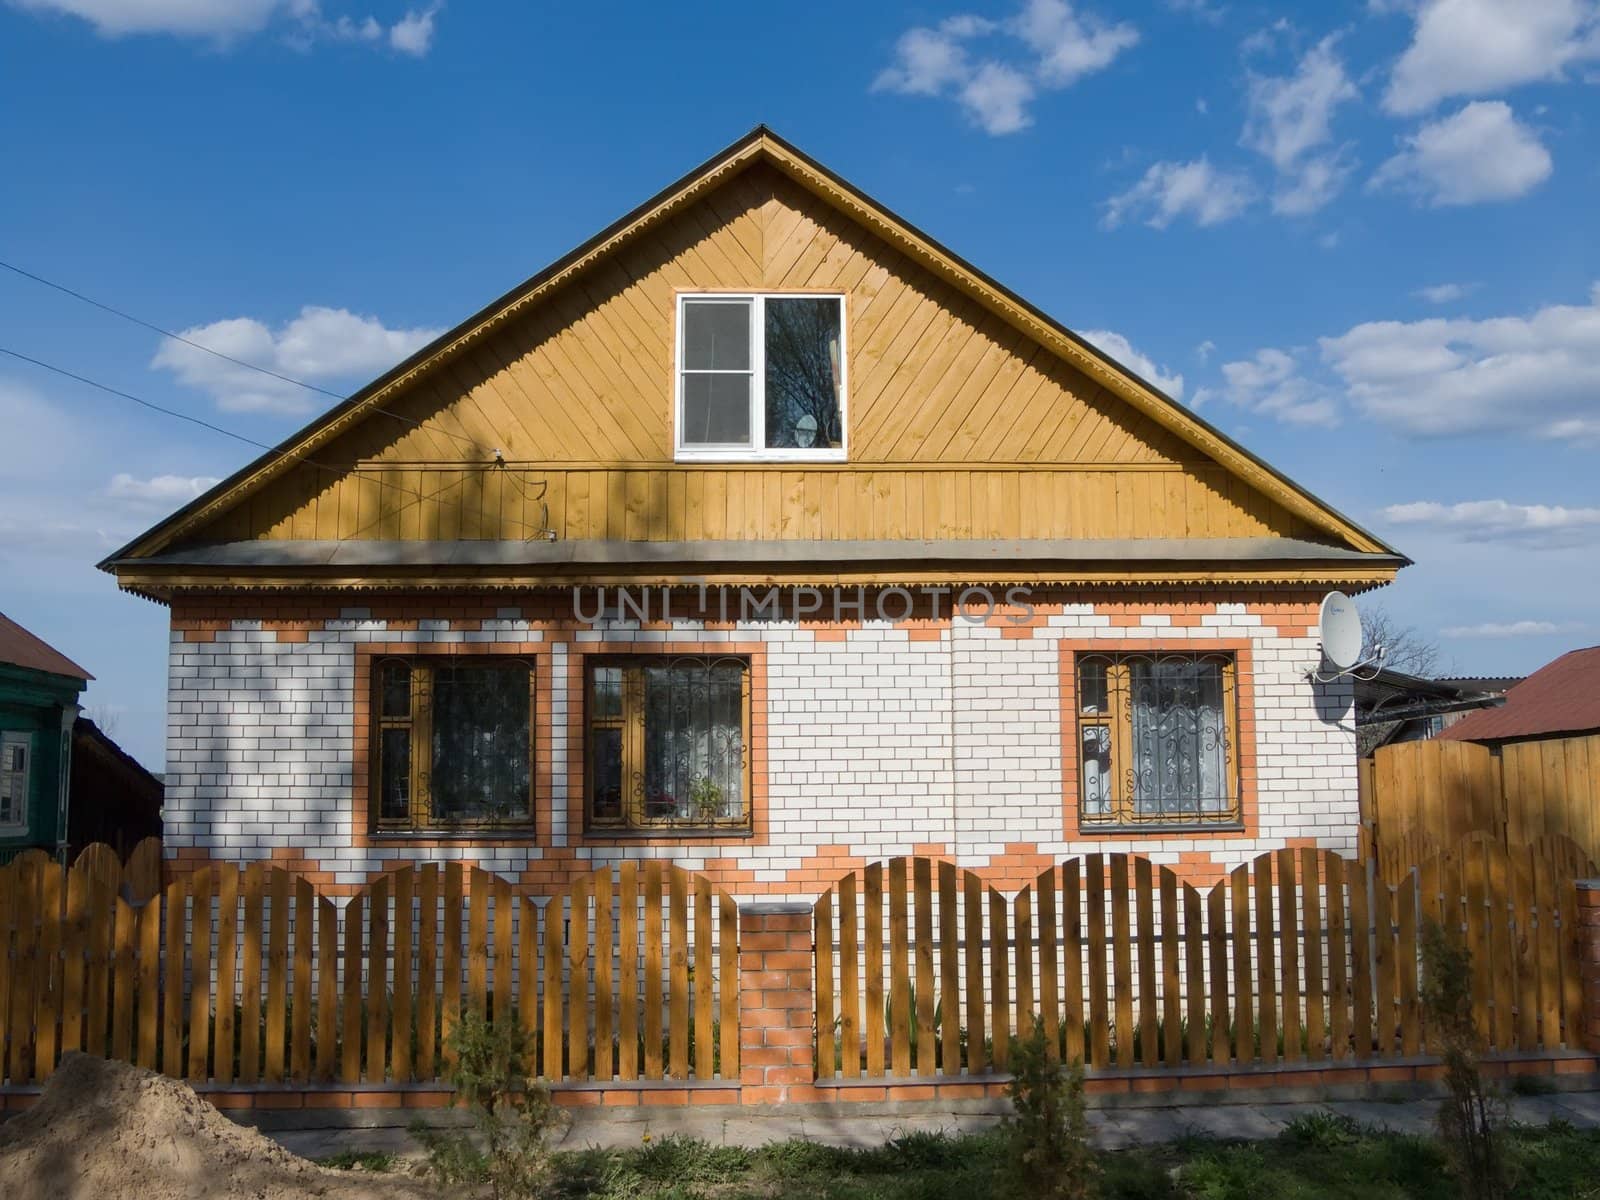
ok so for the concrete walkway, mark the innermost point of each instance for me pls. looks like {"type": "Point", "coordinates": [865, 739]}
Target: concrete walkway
{"type": "Point", "coordinates": [1114, 1128]}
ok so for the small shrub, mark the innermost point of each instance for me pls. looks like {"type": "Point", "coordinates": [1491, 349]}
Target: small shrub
{"type": "Point", "coordinates": [379, 1161]}
{"type": "Point", "coordinates": [511, 1114]}
{"type": "Point", "coordinates": [1323, 1130]}
{"type": "Point", "coordinates": [1049, 1128]}
{"type": "Point", "coordinates": [1471, 1116]}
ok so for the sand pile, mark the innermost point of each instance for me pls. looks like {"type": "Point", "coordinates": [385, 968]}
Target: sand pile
{"type": "Point", "coordinates": [106, 1131]}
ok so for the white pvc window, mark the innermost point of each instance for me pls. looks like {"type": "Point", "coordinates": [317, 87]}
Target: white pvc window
{"type": "Point", "coordinates": [760, 376]}
{"type": "Point", "coordinates": [14, 754]}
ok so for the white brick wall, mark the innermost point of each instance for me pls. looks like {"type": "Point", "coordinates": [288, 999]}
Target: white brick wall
{"type": "Point", "coordinates": [879, 742]}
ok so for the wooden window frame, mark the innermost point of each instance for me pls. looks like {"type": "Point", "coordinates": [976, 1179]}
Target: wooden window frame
{"type": "Point", "coordinates": [757, 450]}
{"type": "Point", "coordinates": [1117, 720]}
{"type": "Point", "coordinates": [9, 742]}
{"type": "Point", "coordinates": [633, 823]}
{"type": "Point", "coordinates": [419, 721]}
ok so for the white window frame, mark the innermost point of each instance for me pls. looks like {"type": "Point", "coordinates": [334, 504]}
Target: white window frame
{"type": "Point", "coordinates": [756, 450]}
{"type": "Point", "coordinates": [8, 742]}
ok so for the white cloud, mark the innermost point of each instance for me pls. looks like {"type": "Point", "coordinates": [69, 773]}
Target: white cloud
{"type": "Point", "coordinates": [160, 491]}
{"type": "Point", "coordinates": [1201, 10]}
{"type": "Point", "coordinates": [1509, 629]}
{"type": "Point", "coordinates": [1538, 525]}
{"type": "Point", "coordinates": [1070, 45]}
{"type": "Point", "coordinates": [1445, 293]}
{"type": "Point", "coordinates": [320, 345]}
{"type": "Point", "coordinates": [302, 22]}
{"type": "Point", "coordinates": [1480, 154]}
{"type": "Point", "coordinates": [1170, 190]}
{"type": "Point", "coordinates": [1271, 384]}
{"type": "Point", "coordinates": [413, 33]}
{"type": "Point", "coordinates": [1480, 47]}
{"type": "Point", "coordinates": [1537, 375]}
{"type": "Point", "coordinates": [1119, 348]}
{"type": "Point", "coordinates": [1265, 39]}
{"type": "Point", "coordinates": [1204, 349]}
{"type": "Point", "coordinates": [1290, 117]}
{"type": "Point", "coordinates": [1047, 45]}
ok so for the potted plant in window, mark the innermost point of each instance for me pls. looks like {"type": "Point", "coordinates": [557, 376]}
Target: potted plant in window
{"type": "Point", "coordinates": [705, 796]}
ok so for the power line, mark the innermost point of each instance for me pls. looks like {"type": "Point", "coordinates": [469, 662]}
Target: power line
{"type": "Point", "coordinates": [238, 437]}
{"type": "Point", "coordinates": [238, 362]}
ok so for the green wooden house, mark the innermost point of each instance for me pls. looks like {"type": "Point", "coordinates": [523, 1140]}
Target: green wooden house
{"type": "Point", "coordinates": [39, 692]}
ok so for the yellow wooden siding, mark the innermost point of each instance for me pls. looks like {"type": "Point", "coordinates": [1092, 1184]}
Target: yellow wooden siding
{"type": "Point", "coordinates": [959, 425]}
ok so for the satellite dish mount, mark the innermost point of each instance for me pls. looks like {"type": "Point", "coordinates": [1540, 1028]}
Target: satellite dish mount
{"type": "Point", "coordinates": [1339, 630]}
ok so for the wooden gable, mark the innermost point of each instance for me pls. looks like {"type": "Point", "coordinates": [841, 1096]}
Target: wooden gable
{"type": "Point", "coordinates": [551, 415]}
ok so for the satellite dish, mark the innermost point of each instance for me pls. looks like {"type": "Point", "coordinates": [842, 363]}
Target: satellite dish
{"type": "Point", "coordinates": [1339, 626]}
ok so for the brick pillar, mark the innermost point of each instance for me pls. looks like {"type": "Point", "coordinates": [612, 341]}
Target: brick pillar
{"type": "Point", "coordinates": [1589, 960]}
{"type": "Point", "coordinates": [776, 1006]}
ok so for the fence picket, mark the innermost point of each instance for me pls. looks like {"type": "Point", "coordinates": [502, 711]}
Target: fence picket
{"type": "Point", "coordinates": [149, 983]}
{"type": "Point", "coordinates": [874, 1031]}
{"type": "Point", "coordinates": [999, 980]}
{"type": "Point", "coordinates": [1121, 953]}
{"type": "Point", "coordinates": [1406, 963]}
{"type": "Point", "coordinates": [728, 984]}
{"type": "Point", "coordinates": [1049, 978]}
{"type": "Point", "coordinates": [375, 1063]}
{"type": "Point", "coordinates": [1072, 951]}
{"type": "Point", "coordinates": [278, 973]}
{"type": "Point", "coordinates": [328, 988]}
{"type": "Point", "coordinates": [1266, 966]}
{"type": "Point", "coordinates": [350, 1022]}
{"type": "Point", "coordinates": [225, 1041]}
{"type": "Point", "coordinates": [124, 1002]}
{"type": "Point", "coordinates": [1217, 984]}
{"type": "Point", "coordinates": [450, 992]}
{"type": "Point", "coordinates": [1361, 962]}
{"type": "Point", "coordinates": [527, 980]}
{"type": "Point", "coordinates": [555, 1067]}
{"type": "Point", "coordinates": [1171, 1021]}
{"type": "Point", "coordinates": [428, 968]}
{"type": "Point", "coordinates": [1022, 914]}
{"type": "Point", "coordinates": [172, 1063]}
{"type": "Point", "coordinates": [652, 969]}
{"type": "Point", "coordinates": [605, 1056]}
{"type": "Point", "coordinates": [577, 1023]}
{"type": "Point", "coordinates": [899, 972]}
{"type": "Point", "coordinates": [1385, 1023]}
{"type": "Point", "coordinates": [504, 931]}
{"type": "Point", "coordinates": [679, 998]}
{"type": "Point", "coordinates": [479, 884]}
{"type": "Point", "coordinates": [305, 949]}
{"type": "Point", "coordinates": [1338, 967]}
{"type": "Point", "coordinates": [1195, 976]}
{"type": "Point", "coordinates": [822, 940]}
{"type": "Point", "coordinates": [927, 1048]}
{"type": "Point", "coordinates": [200, 888]}
{"type": "Point", "coordinates": [405, 886]}
{"type": "Point", "coordinates": [1149, 1014]}
{"type": "Point", "coordinates": [1244, 1049]}
{"type": "Point", "coordinates": [74, 934]}
{"type": "Point", "coordinates": [1095, 921]}
{"type": "Point", "coordinates": [1549, 962]}
{"type": "Point", "coordinates": [1311, 890]}
{"type": "Point", "coordinates": [1290, 1026]}
{"type": "Point", "coordinates": [628, 970]}
{"type": "Point", "coordinates": [704, 975]}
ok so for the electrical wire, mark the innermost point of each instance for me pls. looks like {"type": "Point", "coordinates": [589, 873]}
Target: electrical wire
{"type": "Point", "coordinates": [238, 362]}
{"type": "Point", "coordinates": [416, 495]}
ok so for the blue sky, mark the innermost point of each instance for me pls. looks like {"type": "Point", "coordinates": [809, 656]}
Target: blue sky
{"type": "Point", "coordinates": [1360, 238]}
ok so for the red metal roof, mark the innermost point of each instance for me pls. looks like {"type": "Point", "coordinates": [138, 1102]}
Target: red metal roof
{"type": "Point", "coordinates": [1560, 697]}
{"type": "Point", "coordinates": [19, 648]}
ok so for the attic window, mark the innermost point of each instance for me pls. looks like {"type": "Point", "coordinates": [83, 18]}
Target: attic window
{"type": "Point", "coordinates": [760, 376]}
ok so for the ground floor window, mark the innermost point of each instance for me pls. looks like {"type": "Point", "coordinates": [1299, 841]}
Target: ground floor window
{"type": "Point", "coordinates": [668, 740]}
{"type": "Point", "coordinates": [14, 750]}
{"type": "Point", "coordinates": [1157, 734]}
{"type": "Point", "coordinates": [454, 743]}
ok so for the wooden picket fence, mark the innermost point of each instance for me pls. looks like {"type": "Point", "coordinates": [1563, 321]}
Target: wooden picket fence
{"type": "Point", "coordinates": [1301, 955]}
{"type": "Point", "coordinates": [250, 976]}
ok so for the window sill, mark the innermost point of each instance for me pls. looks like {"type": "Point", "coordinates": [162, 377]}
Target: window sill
{"type": "Point", "coordinates": [1152, 829]}
{"type": "Point", "coordinates": [685, 455]}
{"type": "Point", "coordinates": [666, 834]}
{"type": "Point", "coordinates": [455, 834]}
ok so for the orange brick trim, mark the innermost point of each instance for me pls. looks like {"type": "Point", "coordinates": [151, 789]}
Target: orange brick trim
{"type": "Point", "coordinates": [1244, 702]}
{"type": "Point", "coordinates": [363, 735]}
{"type": "Point", "coordinates": [577, 744]}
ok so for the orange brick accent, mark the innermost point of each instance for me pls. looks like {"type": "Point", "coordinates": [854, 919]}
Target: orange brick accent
{"type": "Point", "coordinates": [775, 998]}
{"type": "Point", "coordinates": [1589, 960]}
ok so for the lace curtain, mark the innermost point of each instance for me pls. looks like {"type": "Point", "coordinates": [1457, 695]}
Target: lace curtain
{"type": "Point", "coordinates": [1179, 743]}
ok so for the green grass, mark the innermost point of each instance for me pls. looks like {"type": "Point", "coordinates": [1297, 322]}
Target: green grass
{"type": "Point", "coordinates": [355, 1160]}
{"type": "Point", "coordinates": [1320, 1156]}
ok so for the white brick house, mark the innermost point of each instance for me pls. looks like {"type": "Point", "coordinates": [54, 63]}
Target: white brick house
{"type": "Point", "coordinates": [939, 578]}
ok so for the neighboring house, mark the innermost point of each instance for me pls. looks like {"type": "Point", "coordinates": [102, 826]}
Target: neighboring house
{"type": "Point", "coordinates": [1392, 707]}
{"type": "Point", "coordinates": [113, 799]}
{"type": "Point", "coordinates": [1560, 699]}
{"type": "Point", "coordinates": [63, 782]}
{"type": "Point", "coordinates": [39, 692]}
{"type": "Point", "coordinates": [656, 555]}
